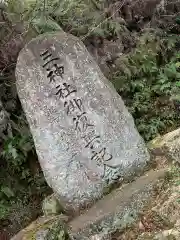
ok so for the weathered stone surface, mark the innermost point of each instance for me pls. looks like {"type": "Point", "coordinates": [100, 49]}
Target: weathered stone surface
{"type": "Point", "coordinates": [168, 206]}
{"type": "Point", "coordinates": [114, 212]}
{"type": "Point", "coordinates": [117, 210]}
{"type": "Point", "coordinates": [168, 145]}
{"type": "Point", "coordinates": [84, 136]}
{"type": "Point", "coordinates": [39, 229]}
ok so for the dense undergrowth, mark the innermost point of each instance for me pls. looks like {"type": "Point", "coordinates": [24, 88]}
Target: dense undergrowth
{"type": "Point", "coordinates": [147, 76]}
{"type": "Point", "coordinates": [148, 80]}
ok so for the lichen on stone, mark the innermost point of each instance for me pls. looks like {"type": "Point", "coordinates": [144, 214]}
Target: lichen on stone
{"type": "Point", "coordinates": [57, 231]}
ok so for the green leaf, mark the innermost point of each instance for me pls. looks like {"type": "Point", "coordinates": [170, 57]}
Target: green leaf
{"type": "Point", "coordinates": [178, 84]}
{"type": "Point", "coordinates": [177, 20]}
{"type": "Point", "coordinates": [4, 210]}
{"type": "Point", "coordinates": [99, 32]}
{"type": "Point", "coordinates": [7, 191]}
{"type": "Point", "coordinates": [44, 24]}
{"type": "Point", "coordinates": [10, 151]}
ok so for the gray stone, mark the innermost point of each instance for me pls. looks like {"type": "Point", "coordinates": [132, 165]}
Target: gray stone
{"type": "Point", "coordinates": [119, 209]}
{"type": "Point", "coordinates": [84, 136]}
{"type": "Point", "coordinates": [42, 227]}
{"type": "Point", "coordinates": [115, 212]}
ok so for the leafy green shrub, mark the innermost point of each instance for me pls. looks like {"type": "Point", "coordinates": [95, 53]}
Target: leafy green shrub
{"type": "Point", "coordinates": [148, 81]}
{"type": "Point", "coordinates": [6, 194]}
{"type": "Point", "coordinates": [20, 176]}
{"type": "Point", "coordinates": [81, 18]}
{"type": "Point", "coordinates": [15, 151]}
{"type": "Point", "coordinates": [4, 209]}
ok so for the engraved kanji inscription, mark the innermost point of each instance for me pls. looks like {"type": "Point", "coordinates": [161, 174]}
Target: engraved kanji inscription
{"type": "Point", "coordinates": [81, 122]}
{"type": "Point", "coordinates": [90, 139]}
{"type": "Point", "coordinates": [65, 90]}
{"type": "Point", "coordinates": [73, 105]}
{"type": "Point", "coordinates": [48, 59]}
{"type": "Point", "coordinates": [51, 66]}
{"type": "Point", "coordinates": [102, 156]}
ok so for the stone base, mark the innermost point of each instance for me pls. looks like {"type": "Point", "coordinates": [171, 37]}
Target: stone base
{"type": "Point", "coordinates": [117, 210]}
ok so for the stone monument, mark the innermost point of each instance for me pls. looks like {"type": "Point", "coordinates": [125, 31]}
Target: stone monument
{"type": "Point", "coordinates": [84, 136]}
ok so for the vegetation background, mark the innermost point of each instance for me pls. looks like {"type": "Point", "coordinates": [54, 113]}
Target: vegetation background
{"type": "Point", "coordinates": [135, 43]}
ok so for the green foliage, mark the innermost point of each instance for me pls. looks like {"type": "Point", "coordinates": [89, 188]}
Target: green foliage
{"type": "Point", "coordinates": [148, 80]}
{"type": "Point", "coordinates": [18, 182]}
{"type": "Point", "coordinates": [45, 24]}
{"type": "Point", "coordinates": [15, 152]}
{"type": "Point", "coordinates": [4, 209]}
{"type": "Point", "coordinates": [6, 194]}
{"type": "Point", "coordinates": [82, 18]}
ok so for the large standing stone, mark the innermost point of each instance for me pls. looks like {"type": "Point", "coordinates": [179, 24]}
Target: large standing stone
{"type": "Point", "coordinates": [84, 136]}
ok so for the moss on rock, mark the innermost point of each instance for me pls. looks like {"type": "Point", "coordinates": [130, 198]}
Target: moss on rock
{"type": "Point", "coordinates": [41, 227]}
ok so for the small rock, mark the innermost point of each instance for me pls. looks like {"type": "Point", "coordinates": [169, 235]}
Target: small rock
{"type": "Point", "coordinates": [51, 206]}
